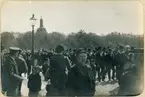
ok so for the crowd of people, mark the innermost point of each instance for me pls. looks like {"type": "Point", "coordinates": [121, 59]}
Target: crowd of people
{"type": "Point", "coordinates": [71, 72]}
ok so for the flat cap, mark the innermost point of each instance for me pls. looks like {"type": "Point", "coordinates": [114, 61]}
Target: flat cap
{"type": "Point", "coordinates": [80, 50]}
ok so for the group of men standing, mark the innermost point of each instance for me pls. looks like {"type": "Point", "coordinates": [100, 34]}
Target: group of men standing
{"type": "Point", "coordinates": [12, 68]}
{"type": "Point", "coordinates": [60, 66]}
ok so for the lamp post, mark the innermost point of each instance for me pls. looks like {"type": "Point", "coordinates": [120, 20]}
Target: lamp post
{"type": "Point", "coordinates": [33, 23]}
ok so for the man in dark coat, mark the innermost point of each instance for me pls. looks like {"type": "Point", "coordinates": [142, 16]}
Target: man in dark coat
{"type": "Point", "coordinates": [59, 66]}
{"type": "Point", "coordinates": [98, 59]}
{"type": "Point", "coordinates": [81, 78]}
{"type": "Point", "coordinates": [120, 59]}
{"type": "Point", "coordinates": [12, 74]}
{"type": "Point", "coordinates": [108, 63]}
{"type": "Point", "coordinates": [22, 68]}
{"type": "Point", "coordinates": [129, 81]}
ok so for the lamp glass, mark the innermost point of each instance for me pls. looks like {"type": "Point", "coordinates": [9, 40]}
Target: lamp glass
{"type": "Point", "coordinates": [33, 22]}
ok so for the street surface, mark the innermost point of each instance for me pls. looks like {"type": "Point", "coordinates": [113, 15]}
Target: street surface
{"type": "Point", "coordinates": [102, 88]}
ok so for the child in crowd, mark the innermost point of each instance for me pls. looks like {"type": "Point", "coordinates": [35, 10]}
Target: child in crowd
{"type": "Point", "coordinates": [34, 82]}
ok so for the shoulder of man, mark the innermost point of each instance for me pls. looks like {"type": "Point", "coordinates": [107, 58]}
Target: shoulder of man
{"type": "Point", "coordinates": [73, 68]}
{"type": "Point", "coordinates": [21, 58]}
{"type": "Point", "coordinates": [9, 59]}
{"type": "Point", "coordinates": [88, 66]}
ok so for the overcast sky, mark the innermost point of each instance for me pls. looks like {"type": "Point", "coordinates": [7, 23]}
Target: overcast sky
{"type": "Point", "coordinates": [100, 17]}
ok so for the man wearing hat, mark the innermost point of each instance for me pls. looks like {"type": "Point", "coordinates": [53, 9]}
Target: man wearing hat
{"type": "Point", "coordinates": [59, 65]}
{"type": "Point", "coordinates": [129, 81]}
{"type": "Point", "coordinates": [120, 59]}
{"type": "Point", "coordinates": [98, 59]}
{"type": "Point", "coordinates": [12, 75]}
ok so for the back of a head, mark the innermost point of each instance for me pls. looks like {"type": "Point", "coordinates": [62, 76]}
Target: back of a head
{"type": "Point", "coordinates": [59, 49]}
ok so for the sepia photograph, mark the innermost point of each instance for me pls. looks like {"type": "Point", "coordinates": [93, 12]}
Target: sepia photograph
{"type": "Point", "coordinates": [71, 48]}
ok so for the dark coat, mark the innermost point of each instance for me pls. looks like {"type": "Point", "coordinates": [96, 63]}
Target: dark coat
{"type": "Point", "coordinates": [79, 84]}
{"type": "Point", "coordinates": [34, 83]}
{"type": "Point", "coordinates": [99, 60]}
{"type": "Point", "coordinates": [58, 75]}
{"type": "Point", "coordinates": [129, 83]}
{"type": "Point", "coordinates": [12, 74]}
{"type": "Point", "coordinates": [108, 59]}
{"type": "Point", "coordinates": [120, 59]}
{"type": "Point", "coordinates": [22, 65]}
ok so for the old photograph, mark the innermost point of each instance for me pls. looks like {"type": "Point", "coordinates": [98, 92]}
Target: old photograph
{"type": "Point", "coordinates": [72, 48]}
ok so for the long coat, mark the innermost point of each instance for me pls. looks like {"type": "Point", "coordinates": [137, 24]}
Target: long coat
{"type": "Point", "coordinates": [22, 65]}
{"type": "Point", "coordinates": [12, 76]}
{"type": "Point", "coordinates": [129, 83]}
{"type": "Point", "coordinates": [58, 70]}
{"type": "Point", "coordinates": [79, 84]}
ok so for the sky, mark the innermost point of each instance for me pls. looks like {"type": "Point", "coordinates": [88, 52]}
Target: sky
{"type": "Point", "coordinates": [100, 17]}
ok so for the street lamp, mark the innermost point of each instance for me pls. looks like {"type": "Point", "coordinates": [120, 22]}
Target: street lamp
{"type": "Point", "coordinates": [33, 23]}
